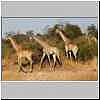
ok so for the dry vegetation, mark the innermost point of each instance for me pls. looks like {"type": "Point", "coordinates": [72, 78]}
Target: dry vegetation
{"type": "Point", "coordinates": [68, 71]}
{"type": "Point", "coordinates": [86, 69]}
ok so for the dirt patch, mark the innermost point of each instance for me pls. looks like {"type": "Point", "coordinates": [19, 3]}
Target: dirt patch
{"type": "Point", "coordinates": [68, 71]}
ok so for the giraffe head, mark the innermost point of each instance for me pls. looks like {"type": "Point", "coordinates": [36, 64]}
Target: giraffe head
{"type": "Point", "coordinates": [57, 30]}
{"type": "Point", "coordinates": [8, 37]}
{"type": "Point", "coordinates": [30, 35]}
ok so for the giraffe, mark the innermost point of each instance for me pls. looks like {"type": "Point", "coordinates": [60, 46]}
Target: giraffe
{"type": "Point", "coordinates": [47, 51]}
{"type": "Point", "coordinates": [69, 46]}
{"type": "Point", "coordinates": [21, 54]}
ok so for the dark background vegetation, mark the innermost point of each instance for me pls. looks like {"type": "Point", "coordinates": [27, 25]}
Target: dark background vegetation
{"type": "Point", "coordinates": [87, 42]}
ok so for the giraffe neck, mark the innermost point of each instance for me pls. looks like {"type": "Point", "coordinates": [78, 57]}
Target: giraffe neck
{"type": "Point", "coordinates": [42, 43]}
{"type": "Point", "coordinates": [63, 37]}
{"type": "Point", "coordinates": [14, 44]}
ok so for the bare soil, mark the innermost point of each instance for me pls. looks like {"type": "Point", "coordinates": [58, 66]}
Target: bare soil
{"type": "Point", "coordinates": [68, 71]}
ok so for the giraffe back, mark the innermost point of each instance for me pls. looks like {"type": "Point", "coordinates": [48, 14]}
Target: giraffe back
{"type": "Point", "coordinates": [24, 53]}
{"type": "Point", "coordinates": [51, 50]}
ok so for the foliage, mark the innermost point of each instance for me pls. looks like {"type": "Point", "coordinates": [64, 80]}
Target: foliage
{"type": "Point", "coordinates": [87, 47]}
{"type": "Point", "coordinates": [92, 31]}
{"type": "Point", "coordinates": [73, 31]}
{"type": "Point", "coordinates": [6, 49]}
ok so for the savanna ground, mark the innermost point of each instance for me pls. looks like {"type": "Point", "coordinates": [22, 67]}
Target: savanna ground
{"type": "Point", "coordinates": [68, 71]}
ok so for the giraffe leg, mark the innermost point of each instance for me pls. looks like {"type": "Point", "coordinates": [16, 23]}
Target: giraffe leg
{"type": "Point", "coordinates": [75, 55]}
{"type": "Point", "coordinates": [19, 63]}
{"type": "Point", "coordinates": [66, 53]}
{"type": "Point", "coordinates": [54, 58]}
{"type": "Point", "coordinates": [42, 60]}
{"type": "Point", "coordinates": [31, 65]}
{"type": "Point", "coordinates": [70, 57]}
{"type": "Point", "coordinates": [49, 59]}
{"type": "Point", "coordinates": [76, 60]}
{"type": "Point", "coordinates": [59, 60]}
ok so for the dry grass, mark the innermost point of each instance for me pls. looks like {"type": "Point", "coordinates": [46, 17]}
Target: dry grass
{"type": "Point", "coordinates": [81, 71]}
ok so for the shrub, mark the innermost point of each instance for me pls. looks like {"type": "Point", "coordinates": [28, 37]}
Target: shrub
{"type": "Point", "coordinates": [6, 49]}
{"type": "Point", "coordinates": [87, 48]}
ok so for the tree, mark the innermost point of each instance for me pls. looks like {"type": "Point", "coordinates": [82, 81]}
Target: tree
{"type": "Point", "coordinates": [50, 33]}
{"type": "Point", "coordinates": [92, 30]}
{"type": "Point", "coordinates": [72, 31]}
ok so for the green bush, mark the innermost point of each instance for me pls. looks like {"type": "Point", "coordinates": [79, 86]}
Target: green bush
{"type": "Point", "coordinates": [87, 48]}
{"type": "Point", "coordinates": [7, 49]}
